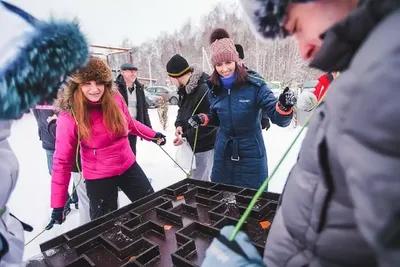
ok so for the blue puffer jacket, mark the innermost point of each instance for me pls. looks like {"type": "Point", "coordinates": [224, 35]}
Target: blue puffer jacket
{"type": "Point", "coordinates": [240, 157]}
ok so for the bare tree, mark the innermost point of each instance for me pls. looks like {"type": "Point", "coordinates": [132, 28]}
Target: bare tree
{"type": "Point", "coordinates": [276, 60]}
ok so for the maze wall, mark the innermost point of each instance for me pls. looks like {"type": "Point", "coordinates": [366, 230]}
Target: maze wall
{"type": "Point", "coordinates": [172, 227]}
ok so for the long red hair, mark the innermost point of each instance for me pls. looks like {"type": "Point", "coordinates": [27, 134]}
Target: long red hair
{"type": "Point", "coordinates": [113, 118]}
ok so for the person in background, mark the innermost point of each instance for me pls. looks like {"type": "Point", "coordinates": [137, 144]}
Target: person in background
{"type": "Point", "coordinates": [43, 114]}
{"type": "Point", "coordinates": [309, 100]}
{"type": "Point", "coordinates": [341, 202]}
{"type": "Point", "coordinates": [193, 91]}
{"type": "Point", "coordinates": [96, 117]}
{"type": "Point", "coordinates": [28, 77]}
{"type": "Point", "coordinates": [237, 98]}
{"type": "Point", "coordinates": [133, 94]}
{"type": "Point", "coordinates": [79, 182]}
{"type": "Point", "coordinates": [265, 124]}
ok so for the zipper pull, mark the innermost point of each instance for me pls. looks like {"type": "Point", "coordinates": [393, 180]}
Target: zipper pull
{"type": "Point", "coordinates": [229, 91]}
{"type": "Point", "coordinates": [94, 151]}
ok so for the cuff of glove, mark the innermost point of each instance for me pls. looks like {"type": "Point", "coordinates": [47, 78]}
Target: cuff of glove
{"type": "Point", "coordinates": [282, 110]}
{"type": "Point", "coordinates": [206, 119]}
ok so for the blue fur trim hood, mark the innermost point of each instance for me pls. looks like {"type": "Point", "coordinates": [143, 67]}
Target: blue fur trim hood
{"type": "Point", "coordinates": [50, 53]}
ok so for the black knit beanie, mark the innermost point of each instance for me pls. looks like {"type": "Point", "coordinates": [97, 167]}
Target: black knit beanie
{"type": "Point", "coordinates": [177, 66]}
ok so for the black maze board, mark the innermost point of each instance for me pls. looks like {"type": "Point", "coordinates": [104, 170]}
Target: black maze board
{"type": "Point", "coordinates": [172, 227]}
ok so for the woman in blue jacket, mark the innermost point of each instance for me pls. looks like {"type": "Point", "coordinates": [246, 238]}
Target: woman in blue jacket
{"type": "Point", "coordinates": [237, 99]}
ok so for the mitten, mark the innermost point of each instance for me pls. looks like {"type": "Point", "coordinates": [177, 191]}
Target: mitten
{"type": "Point", "coordinates": [287, 99]}
{"type": "Point", "coordinates": [198, 120]}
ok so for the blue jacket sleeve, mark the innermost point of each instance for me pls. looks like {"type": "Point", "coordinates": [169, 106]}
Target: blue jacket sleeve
{"type": "Point", "coordinates": [212, 116]}
{"type": "Point", "coordinates": [267, 101]}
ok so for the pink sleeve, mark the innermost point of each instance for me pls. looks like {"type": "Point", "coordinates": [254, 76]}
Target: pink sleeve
{"type": "Point", "coordinates": [135, 127]}
{"type": "Point", "coordinates": [63, 160]}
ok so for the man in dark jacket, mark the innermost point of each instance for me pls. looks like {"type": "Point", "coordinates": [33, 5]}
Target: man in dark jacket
{"type": "Point", "coordinates": [192, 91]}
{"type": "Point", "coordinates": [265, 124]}
{"type": "Point", "coordinates": [132, 91]}
{"type": "Point", "coordinates": [341, 202]}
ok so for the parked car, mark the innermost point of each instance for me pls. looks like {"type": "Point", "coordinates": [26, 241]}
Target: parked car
{"type": "Point", "coordinates": [152, 101]}
{"type": "Point", "coordinates": [309, 86]}
{"type": "Point", "coordinates": [171, 94]}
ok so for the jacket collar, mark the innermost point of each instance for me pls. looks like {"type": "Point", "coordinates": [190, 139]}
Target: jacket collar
{"type": "Point", "coordinates": [342, 41]}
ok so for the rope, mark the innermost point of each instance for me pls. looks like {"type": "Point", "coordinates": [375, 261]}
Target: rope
{"type": "Point", "coordinates": [264, 185]}
{"type": "Point", "coordinates": [188, 175]}
{"type": "Point", "coordinates": [50, 225]}
{"type": "Point", "coordinates": [196, 133]}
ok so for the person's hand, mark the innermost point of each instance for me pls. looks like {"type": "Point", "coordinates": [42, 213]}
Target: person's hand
{"type": "Point", "coordinates": [160, 139]}
{"type": "Point", "coordinates": [307, 101]}
{"type": "Point", "coordinates": [178, 131]}
{"type": "Point", "coordinates": [265, 124]}
{"type": "Point", "coordinates": [178, 140]}
{"type": "Point", "coordinates": [57, 217]}
{"type": "Point", "coordinates": [287, 99]}
{"type": "Point", "coordinates": [199, 119]}
{"type": "Point", "coordinates": [54, 117]}
{"type": "Point", "coordinates": [239, 252]}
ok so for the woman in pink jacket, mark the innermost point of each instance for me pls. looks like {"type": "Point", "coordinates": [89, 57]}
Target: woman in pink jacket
{"type": "Point", "coordinates": [95, 115]}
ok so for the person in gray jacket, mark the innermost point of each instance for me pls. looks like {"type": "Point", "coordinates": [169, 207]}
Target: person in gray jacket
{"type": "Point", "coordinates": [36, 57]}
{"type": "Point", "coordinates": [341, 202]}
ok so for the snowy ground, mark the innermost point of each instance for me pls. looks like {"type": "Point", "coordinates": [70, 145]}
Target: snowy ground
{"type": "Point", "coordinates": [31, 199]}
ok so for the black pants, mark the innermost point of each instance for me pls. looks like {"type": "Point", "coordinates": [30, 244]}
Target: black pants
{"type": "Point", "coordinates": [132, 141]}
{"type": "Point", "coordinates": [103, 193]}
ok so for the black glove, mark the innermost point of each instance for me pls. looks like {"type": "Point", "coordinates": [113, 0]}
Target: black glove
{"type": "Point", "coordinates": [159, 136]}
{"type": "Point", "coordinates": [57, 217]}
{"type": "Point", "coordinates": [287, 99]}
{"type": "Point", "coordinates": [196, 120]}
{"type": "Point", "coordinates": [265, 124]}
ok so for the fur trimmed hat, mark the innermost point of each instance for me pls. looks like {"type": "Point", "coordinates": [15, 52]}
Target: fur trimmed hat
{"type": "Point", "coordinates": [267, 17]}
{"type": "Point", "coordinates": [95, 70]}
{"type": "Point", "coordinates": [36, 57]}
{"type": "Point", "coordinates": [222, 47]}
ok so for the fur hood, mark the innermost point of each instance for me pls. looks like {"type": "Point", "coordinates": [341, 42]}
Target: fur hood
{"type": "Point", "coordinates": [193, 83]}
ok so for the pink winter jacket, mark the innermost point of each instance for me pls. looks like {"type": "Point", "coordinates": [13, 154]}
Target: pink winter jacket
{"type": "Point", "coordinates": [102, 156]}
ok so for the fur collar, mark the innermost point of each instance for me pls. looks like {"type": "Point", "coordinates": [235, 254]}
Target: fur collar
{"type": "Point", "coordinates": [194, 80]}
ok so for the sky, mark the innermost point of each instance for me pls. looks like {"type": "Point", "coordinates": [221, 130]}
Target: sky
{"type": "Point", "coordinates": [108, 22]}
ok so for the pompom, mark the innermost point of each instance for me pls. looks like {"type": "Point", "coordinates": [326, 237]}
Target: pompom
{"type": "Point", "coordinates": [218, 34]}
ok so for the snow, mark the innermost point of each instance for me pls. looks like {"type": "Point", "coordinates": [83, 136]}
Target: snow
{"type": "Point", "coordinates": [30, 201]}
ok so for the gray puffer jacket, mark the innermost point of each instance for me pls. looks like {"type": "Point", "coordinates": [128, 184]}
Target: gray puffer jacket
{"type": "Point", "coordinates": [11, 231]}
{"type": "Point", "coordinates": [341, 203]}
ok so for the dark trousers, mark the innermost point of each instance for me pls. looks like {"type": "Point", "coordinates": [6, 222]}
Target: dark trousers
{"type": "Point", "coordinates": [103, 193]}
{"type": "Point", "coordinates": [132, 141]}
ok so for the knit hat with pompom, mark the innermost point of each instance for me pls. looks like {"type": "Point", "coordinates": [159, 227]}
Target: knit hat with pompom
{"type": "Point", "coordinates": [222, 47]}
